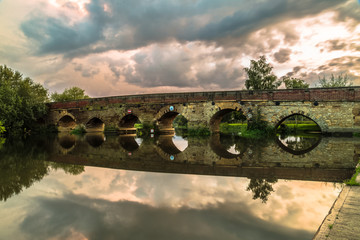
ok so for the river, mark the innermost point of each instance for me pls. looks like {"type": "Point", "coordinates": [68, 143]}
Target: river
{"type": "Point", "coordinates": [169, 187]}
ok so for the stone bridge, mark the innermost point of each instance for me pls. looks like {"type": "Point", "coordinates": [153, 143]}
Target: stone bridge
{"type": "Point", "coordinates": [333, 109]}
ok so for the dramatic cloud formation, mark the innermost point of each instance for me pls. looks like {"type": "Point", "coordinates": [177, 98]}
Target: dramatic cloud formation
{"type": "Point", "coordinates": [114, 47]}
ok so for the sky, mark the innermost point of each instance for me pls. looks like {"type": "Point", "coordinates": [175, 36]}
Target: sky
{"type": "Point", "coordinates": [120, 47]}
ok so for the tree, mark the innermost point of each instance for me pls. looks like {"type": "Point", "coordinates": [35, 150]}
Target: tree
{"type": "Point", "coordinates": [339, 81]}
{"type": "Point", "coordinates": [74, 93]}
{"type": "Point", "coordinates": [22, 101]}
{"type": "Point", "coordinates": [2, 128]}
{"type": "Point", "coordinates": [291, 83]}
{"type": "Point", "coordinates": [260, 76]}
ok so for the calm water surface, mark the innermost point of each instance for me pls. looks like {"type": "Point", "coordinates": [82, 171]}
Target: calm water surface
{"type": "Point", "coordinates": [168, 187]}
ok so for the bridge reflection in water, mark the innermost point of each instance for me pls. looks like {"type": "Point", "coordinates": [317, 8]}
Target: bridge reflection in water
{"type": "Point", "coordinates": [296, 157]}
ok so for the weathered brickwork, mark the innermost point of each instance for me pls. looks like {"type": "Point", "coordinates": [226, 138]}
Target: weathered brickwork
{"type": "Point", "coordinates": [333, 109]}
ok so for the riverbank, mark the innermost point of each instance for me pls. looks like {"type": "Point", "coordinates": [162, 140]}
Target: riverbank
{"type": "Point", "coordinates": [343, 219]}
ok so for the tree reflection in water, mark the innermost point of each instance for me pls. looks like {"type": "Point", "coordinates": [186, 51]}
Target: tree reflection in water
{"type": "Point", "coordinates": [261, 188]}
{"type": "Point", "coordinates": [22, 163]}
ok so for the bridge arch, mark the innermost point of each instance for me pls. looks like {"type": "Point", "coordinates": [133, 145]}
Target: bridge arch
{"type": "Point", "coordinates": [95, 124]}
{"type": "Point", "coordinates": [321, 124]}
{"type": "Point", "coordinates": [128, 121]}
{"type": "Point", "coordinates": [165, 117]}
{"type": "Point", "coordinates": [66, 123]}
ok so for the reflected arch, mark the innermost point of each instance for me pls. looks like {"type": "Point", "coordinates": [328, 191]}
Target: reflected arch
{"type": "Point", "coordinates": [129, 143]}
{"type": "Point", "coordinates": [220, 150]}
{"type": "Point", "coordinates": [95, 125]}
{"type": "Point", "coordinates": [299, 150]}
{"type": "Point", "coordinates": [95, 139]}
{"type": "Point", "coordinates": [67, 141]}
{"type": "Point", "coordinates": [167, 145]}
{"type": "Point", "coordinates": [66, 123]}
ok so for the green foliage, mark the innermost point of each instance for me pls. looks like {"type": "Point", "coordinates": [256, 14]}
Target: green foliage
{"type": "Point", "coordinates": [201, 131]}
{"type": "Point", "coordinates": [339, 81]}
{"type": "Point", "coordinates": [2, 128]}
{"type": "Point", "coordinates": [234, 117]}
{"type": "Point", "coordinates": [291, 83]}
{"type": "Point", "coordinates": [74, 93]}
{"type": "Point", "coordinates": [22, 101]}
{"type": "Point", "coordinates": [352, 181]}
{"type": "Point", "coordinates": [260, 76]}
{"type": "Point", "coordinates": [79, 130]}
{"type": "Point", "coordinates": [180, 122]}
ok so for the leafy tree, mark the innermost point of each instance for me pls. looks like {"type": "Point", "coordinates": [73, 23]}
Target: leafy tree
{"type": "Point", "coordinates": [291, 83]}
{"type": "Point", "coordinates": [22, 101]}
{"type": "Point", "coordinates": [2, 128]}
{"type": "Point", "coordinates": [339, 81]}
{"type": "Point", "coordinates": [234, 117]}
{"type": "Point", "coordinates": [74, 93]}
{"type": "Point", "coordinates": [260, 76]}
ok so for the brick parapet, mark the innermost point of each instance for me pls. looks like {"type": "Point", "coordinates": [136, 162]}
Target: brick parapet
{"type": "Point", "coordinates": [346, 94]}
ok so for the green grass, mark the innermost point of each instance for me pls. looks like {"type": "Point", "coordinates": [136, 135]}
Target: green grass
{"type": "Point", "coordinates": [79, 130]}
{"type": "Point", "coordinates": [302, 126]}
{"type": "Point", "coordinates": [352, 180]}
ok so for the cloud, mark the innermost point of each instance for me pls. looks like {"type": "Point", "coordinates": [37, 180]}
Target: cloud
{"type": "Point", "coordinates": [176, 65]}
{"type": "Point", "coordinates": [124, 25]}
{"type": "Point", "coordinates": [76, 215]}
{"type": "Point", "coordinates": [283, 55]}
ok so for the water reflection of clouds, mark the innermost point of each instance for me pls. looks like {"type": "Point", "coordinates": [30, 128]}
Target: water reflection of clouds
{"type": "Point", "coordinates": [79, 215]}
{"type": "Point", "coordinates": [105, 204]}
{"type": "Point", "coordinates": [180, 142]}
{"type": "Point", "coordinates": [198, 192]}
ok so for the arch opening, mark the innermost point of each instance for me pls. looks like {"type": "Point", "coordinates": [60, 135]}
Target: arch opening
{"type": "Point", "coordinates": [227, 119]}
{"type": "Point", "coordinates": [129, 123]}
{"type": "Point", "coordinates": [297, 122]}
{"type": "Point", "coordinates": [95, 125]}
{"type": "Point", "coordinates": [165, 123]}
{"type": "Point", "coordinates": [180, 125]}
{"type": "Point", "coordinates": [66, 123]}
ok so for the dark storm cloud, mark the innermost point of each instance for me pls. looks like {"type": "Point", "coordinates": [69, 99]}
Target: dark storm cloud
{"type": "Point", "coordinates": [101, 219]}
{"type": "Point", "coordinates": [134, 24]}
{"type": "Point", "coordinates": [283, 55]}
